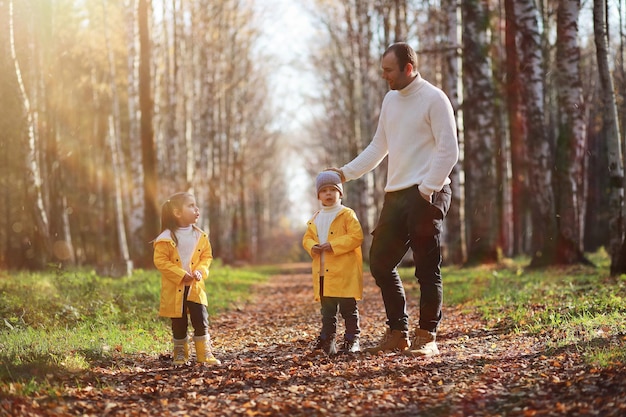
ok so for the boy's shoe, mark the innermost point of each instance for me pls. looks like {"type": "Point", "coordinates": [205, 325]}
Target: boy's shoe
{"type": "Point", "coordinates": [392, 340]}
{"type": "Point", "coordinates": [423, 344]}
{"type": "Point", "coordinates": [327, 344]}
{"type": "Point", "coordinates": [351, 345]}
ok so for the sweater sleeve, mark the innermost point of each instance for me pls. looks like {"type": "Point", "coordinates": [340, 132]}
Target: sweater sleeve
{"type": "Point", "coordinates": [372, 155]}
{"type": "Point", "coordinates": [446, 154]}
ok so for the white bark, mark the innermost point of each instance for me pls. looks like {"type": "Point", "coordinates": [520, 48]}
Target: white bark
{"type": "Point", "coordinates": [611, 126]}
{"type": "Point", "coordinates": [481, 181]}
{"type": "Point", "coordinates": [32, 161]}
{"type": "Point", "coordinates": [117, 157]}
{"type": "Point", "coordinates": [572, 125]}
{"type": "Point", "coordinates": [540, 159]}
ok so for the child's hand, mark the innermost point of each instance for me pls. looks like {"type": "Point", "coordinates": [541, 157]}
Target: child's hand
{"type": "Point", "coordinates": [198, 275]}
{"type": "Point", "coordinates": [321, 248]}
{"type": "Point", "coordinates": [326, 247]}
{"type": "Point", "coordinates": [188, 279]}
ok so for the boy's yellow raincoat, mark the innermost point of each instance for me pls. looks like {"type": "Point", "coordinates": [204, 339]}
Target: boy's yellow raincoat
{"type": "Point", "coordinates": [343, 267]}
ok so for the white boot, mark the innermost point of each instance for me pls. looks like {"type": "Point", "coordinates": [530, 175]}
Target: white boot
{"type": "Point", "coordinates": [181, 351]}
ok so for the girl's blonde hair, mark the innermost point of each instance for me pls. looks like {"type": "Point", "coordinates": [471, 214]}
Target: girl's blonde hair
{"type": "Point", "coordinates": [168, 219]}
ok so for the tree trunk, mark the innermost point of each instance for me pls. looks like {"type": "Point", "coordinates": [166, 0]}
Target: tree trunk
{"type": "Point", "coordinates": [616, 244]}
{"type": "Point", "coordinates": [455, 220]}
{"type": "Point", "coordinates": [571, 138]}
{"type": "Point", "coordinates": [39, 248]}
{"type": "Point", "coordinates": [135, 197]}
{"type": "Point", "coordinates": [539, 151]}
{"type": "Point", "coordinates": [517, 135]}
{"type": "Point", "coordinates": [122, 264]}
{"type": "Point", "coordinates": [148, 152]}
{"type": "Point", "coordinates": [481, 182]}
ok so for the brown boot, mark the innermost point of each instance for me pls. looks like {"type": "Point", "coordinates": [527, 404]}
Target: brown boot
{"type": "Point", "coordinates": [423, 344]}
{"type": "Point", "coordinates": [392, 340]}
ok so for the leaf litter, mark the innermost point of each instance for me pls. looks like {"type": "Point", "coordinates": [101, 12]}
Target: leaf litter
{"type": "Point", "coordinates": [268, 368]}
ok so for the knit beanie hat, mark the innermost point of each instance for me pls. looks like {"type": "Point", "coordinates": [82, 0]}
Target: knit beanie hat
{"type": "Point", "coordinates": [329, 178]}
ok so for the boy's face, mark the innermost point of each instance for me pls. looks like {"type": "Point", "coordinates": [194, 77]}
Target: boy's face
{"type": "Point", "coordinates": [329, 195]}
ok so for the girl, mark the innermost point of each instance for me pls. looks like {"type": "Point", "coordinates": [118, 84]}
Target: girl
{"type": "Point", "coordinates": [182, 253]}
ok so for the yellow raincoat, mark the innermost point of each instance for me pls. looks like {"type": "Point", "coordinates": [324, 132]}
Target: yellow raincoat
{"type": "Point", "coordinates": [167, 260]}
{"type": "Point", "coordinates": [343, 267]}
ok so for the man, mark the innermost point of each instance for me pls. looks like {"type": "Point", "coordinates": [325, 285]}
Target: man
{"type": "Point", "coordinates": [417, 130]}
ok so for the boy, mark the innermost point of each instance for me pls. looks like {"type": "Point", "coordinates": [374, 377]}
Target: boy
{"type": "Point", "coordinates": [333, 239]}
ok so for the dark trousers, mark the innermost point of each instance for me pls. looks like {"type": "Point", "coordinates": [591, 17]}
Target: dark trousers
{"type": "Point", "coordinates": [408, 221]}
{"type": "Point", "coordinates": [199, 319]}
{"type": "Point", "coordinates": [348, 309]}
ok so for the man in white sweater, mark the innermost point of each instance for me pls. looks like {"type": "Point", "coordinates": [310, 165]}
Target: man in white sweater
{"type": "Point", "coordinates": [417, 131]}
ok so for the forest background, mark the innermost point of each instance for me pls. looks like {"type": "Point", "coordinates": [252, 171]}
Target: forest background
{"type": "Point", "coordinates": [110, 106]}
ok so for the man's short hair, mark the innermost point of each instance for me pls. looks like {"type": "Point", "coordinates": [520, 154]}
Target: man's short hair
{"type": "Point", "coordinates": [404, 53]}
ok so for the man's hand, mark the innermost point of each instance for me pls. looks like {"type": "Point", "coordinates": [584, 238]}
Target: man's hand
{"type": "Point", "coordinates": [338, 171]}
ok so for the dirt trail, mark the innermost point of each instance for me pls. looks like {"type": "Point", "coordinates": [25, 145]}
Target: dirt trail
{"type": "Point", "coordinates": [268, 369]}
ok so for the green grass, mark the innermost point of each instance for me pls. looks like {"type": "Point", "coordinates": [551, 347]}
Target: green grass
{"type": "Point", "coordinates": [569, 307]}
{"type": "Point", "coordinates": [61, 322]}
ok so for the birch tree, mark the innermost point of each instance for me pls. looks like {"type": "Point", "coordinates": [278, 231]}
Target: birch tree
{"type": "Point", "coordinates": [121, 259]}
{"type": "Point", "coordinates": [571, 138]}
{"type": "Point", "coordinates": [135, 191]}
{"type": "Point", "coordinates": [539, 151]}
{"type": "Point", "coordinates": [148, 154]}
{"type": "Point", "coordinates": [455, 220]}
{"type": "Point", "coordinates": [40, 243]}
{"type": "Point", "coordinates": [616, 242]}
{"type": "Point", "coordinates": [481, 189]}
{"type": "Point", "coordinates": [517, 133]}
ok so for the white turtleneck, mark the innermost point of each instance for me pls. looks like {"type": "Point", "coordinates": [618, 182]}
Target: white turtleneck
{"type": "Point", "coordinates": [325, 217]}
{"type": "Point", "coordinates": [323, 220]}
{"type": "Point", "coordinates": [187, 239]}
{"type": "Point", "coordinates": [417, 129]}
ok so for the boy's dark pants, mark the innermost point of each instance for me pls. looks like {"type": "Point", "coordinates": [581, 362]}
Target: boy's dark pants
{"type": "Point", "coordinates": [348, 309]}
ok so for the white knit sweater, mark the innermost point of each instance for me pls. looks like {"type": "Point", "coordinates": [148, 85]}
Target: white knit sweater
{"type": "Point", "coordinates": [417, 129]}
{"type": "Point", "coordinates": [187, 239]}
{"type": "Point", "coordinates": [323, 220]}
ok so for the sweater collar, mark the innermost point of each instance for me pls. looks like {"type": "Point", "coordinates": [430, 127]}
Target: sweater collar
{"type": "Point", "coordinates": [335, 207]}
{"type": "Point", "coordinates": [413, 86]}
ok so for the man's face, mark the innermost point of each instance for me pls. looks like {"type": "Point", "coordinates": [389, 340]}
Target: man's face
{"type": "Point", "coordinates": [396, 77]}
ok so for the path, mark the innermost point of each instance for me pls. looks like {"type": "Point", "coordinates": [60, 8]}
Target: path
{"type": "Point", "coordinates": [268, 369]}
